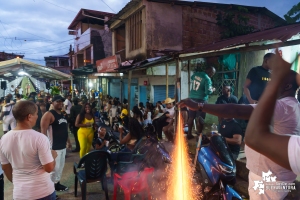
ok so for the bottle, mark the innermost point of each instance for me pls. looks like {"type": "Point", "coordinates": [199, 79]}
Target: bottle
{"type": "Point", "coordinates": [214, 129]}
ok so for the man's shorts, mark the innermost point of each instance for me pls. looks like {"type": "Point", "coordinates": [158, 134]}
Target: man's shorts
{"type": "Point", "coordinates": [194, 114]}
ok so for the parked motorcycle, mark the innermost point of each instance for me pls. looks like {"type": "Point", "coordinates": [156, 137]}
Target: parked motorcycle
{"type": "Point", "coordinates": [217, 168]}
{"type": "Point", "coordinates": [155, 153]}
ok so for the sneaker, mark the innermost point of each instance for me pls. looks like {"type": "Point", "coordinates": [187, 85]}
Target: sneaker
{"type": "Point", "coordinates": [59, 187]}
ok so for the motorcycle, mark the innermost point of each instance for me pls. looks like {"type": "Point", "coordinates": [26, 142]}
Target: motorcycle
{"type": "Point", "coordinates": [217, 168]}
{"type": "Point", "coordinates": [155, 153]}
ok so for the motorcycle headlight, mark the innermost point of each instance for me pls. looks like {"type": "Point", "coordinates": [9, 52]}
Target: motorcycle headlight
{"type": "Point", "coordinates": [225, 169]}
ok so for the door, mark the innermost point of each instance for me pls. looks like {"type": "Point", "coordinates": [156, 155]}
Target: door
{"type": "Point", "coordinates": [132, 94]}
{"type": "Point", "coordinates": [114, 89]}
{"type": "Point", "coordinates": [143, 94]}
{"type": "Point", "coordinates": [160, 92]}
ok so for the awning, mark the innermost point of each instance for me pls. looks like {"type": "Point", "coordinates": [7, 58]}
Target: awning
{"type": "Point", "coordinates": [85, 70]}
{"type": "Point", "coordinates": [10, 69]}
{"type": "Point", "coordinates": [147, 63]}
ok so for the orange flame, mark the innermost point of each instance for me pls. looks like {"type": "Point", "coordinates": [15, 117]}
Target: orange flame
{"type": "Point", "coordinates": [181, 175]}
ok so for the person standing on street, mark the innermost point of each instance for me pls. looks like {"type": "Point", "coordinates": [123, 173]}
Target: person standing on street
{"type": "Point", "coordinates": [7, 115]}
{"type": "Point", "coordinates": [75, 110]}
{"type": "Point", "coordinates": [26, 156]}
{"type": "Point", "coordinates": [67, 108]}
{"type": "Point", "coordinates": [201, 88]}
{"type": "Point", "coordinates": [55, 125]}
{"type": "Point", "coordinates": [85, 122]}
{"type": "Point", "coordinates": [226, 97]}
{"type": "Point", "coordinates": [257, 80]}
{"type": "Point", "coordinates": [46, 101]}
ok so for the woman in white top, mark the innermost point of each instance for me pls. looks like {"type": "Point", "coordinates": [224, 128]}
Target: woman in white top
{"type": "Point", "coordinates": [6, 115]}
{"type": "Point", "coordinates": [147, 115]}
{"type": "Point", "coordinates": [26, 157]}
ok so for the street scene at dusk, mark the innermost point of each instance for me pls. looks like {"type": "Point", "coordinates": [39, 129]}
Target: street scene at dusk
{"type": "Point", "coordinates": [149, 99]}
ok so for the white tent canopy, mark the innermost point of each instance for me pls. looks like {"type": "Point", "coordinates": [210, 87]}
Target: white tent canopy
{"type": "Point", "coordinates": [16, 65]}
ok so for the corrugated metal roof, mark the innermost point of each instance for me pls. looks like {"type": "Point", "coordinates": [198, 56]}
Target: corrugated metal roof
{"type": "Point", "coordinates": [147, 63]}
{"type": "Point", "coordinates": [282, 33]}
{"type": "Point", "coordinates": [79, 17]}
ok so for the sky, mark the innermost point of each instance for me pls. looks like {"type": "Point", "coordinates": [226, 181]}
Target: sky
{"type": "Point", "coordinates": [39, 28]}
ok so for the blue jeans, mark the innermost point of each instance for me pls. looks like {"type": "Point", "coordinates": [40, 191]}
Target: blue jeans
{"type": "Point", "coordinates": [49, 197]}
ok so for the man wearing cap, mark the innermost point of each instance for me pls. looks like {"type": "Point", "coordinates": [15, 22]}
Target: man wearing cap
{"type": "Point", "coordinates": [169, 129]}
{"type": "Point", "coordinates": [55, 125]}
{"type": "Point", "coordinates": [201, 88]}
{"type": "Point", "coordinates": [75, 110]}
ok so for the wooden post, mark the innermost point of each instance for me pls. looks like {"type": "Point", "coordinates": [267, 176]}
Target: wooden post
{"type": "Point", "coordinates": [167, 80]}
{"type": "Point", "coordinates": [62, 87]}
{"type": "Point", "coordinates": [129, 86]}
{"type": "Point", "coordinates": [72, 88]}
{"type": "Point", "coordinates": [189, 79]}
{"type": "Point", "coordinates": [177, 91]}
{"type": "Point", "coordinates": [121, 92]}
{"type": "Point", "coordinates": [177, 80]}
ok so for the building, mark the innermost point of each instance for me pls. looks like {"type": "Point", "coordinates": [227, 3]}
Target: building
{"type": "Point", "coordinates": [146, 30]}
{"type": "Point", "coordinates": [92, 42]}
{"type": "Point", "coordinates": [144, 27]}
{"type": "Point", "coordinates": [9, 56]}
{"type": "Point", "coordinates": [92, 38]}
{"type": "Point", "coordinates": [60, 63]}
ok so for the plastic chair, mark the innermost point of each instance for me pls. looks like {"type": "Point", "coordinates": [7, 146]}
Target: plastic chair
{"type": "Point", "coordinates": [127, 161]}
{"type": "Point", "coordinates": [95, 166]}
{"type": "Point", "coordinates": [132, 183]}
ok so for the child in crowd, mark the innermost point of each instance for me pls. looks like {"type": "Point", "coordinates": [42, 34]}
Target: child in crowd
{"type": "Point", "coordinates": [100, 142]}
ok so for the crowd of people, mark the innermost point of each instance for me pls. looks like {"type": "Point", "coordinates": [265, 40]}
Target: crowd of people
{"type": "Point", "coordinates": [37, 164]}
{"type": "Point", "coordinates": [55, 117]}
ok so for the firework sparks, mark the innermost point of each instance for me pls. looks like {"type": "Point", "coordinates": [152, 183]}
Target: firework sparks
{"type": "Point", "coordinates": [180, 179]}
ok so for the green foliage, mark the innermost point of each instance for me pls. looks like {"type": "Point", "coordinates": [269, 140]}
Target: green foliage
{"type": "Point", "coordinates": [234, 22]}
{"type": "Point", "coordinates": [293, 15]}
{"type": "Point", "coordinates": [55, 90]}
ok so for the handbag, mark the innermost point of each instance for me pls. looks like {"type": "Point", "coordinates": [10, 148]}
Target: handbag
{"type": "Point", "coordinates": [7, 112]}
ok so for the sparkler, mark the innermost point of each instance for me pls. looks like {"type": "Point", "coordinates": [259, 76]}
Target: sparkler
{"type": "Point", "coordinates": [180, 180]}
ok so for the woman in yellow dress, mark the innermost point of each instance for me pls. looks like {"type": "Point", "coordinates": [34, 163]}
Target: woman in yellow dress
{"type": "Point", "coordinates": [85, 122]}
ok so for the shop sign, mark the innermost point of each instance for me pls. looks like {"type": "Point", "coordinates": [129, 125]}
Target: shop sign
{"type": "Point", "coordinates": [108, 64]}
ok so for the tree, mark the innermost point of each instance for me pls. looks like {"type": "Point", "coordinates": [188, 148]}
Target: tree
{"type": "Point", "coordinates": [293, 15]}
{"type": "Point", "coordinates": [234, 22]}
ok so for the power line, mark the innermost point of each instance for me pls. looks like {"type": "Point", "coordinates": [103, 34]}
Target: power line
{"type": "Point", "coordinates": [27, 32]}
{"type": "Point", "coordinates": [49, 51]}
{"type": "Point", "coordinates": [108, 6]}
{"type": "Point", "coordinates": [59, 6]}
{"type": "Point", "coordinates": [23, 39]}
{"type": "Point", "coordinates": [52, 44]}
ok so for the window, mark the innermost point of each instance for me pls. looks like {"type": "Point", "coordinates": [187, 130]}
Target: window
{"type": "Point", "coordinates": [64, 63]}
{"type": "Point", "coordinates": [135, 31]}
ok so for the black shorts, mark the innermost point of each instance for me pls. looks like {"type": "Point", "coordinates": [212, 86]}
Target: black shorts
{"type": "Point", "coordinates": [194, 114]}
